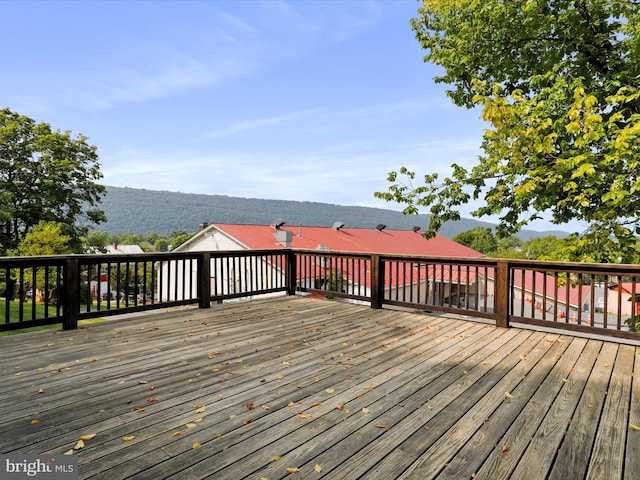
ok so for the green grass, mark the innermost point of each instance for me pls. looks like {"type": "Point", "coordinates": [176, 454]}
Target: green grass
{"type": "Point", "coordinates": [14, 312]}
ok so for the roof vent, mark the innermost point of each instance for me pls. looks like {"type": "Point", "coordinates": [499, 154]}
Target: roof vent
{"type": "Point", "coordinates": [337, 226]}
{"type": "Point", "coordinates": [380, 227]}
{"type": "Point", "coordinates": [416, 229]}
{"type": "Point", "coordinates": [278, 223]}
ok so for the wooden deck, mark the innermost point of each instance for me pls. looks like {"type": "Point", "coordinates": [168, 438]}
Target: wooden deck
{"type": "Point", "coordinates": [304, 388]}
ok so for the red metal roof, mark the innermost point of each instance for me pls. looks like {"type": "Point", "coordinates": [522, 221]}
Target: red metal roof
{"type": "Point", "coordinates": [362, 240]}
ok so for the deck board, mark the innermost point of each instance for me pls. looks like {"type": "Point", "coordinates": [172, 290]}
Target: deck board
{"type": "Point", "coordinates": [335, 390]}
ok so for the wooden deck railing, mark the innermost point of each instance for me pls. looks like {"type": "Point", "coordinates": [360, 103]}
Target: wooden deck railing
{"type": "Point", "coordinates": [589, 298]}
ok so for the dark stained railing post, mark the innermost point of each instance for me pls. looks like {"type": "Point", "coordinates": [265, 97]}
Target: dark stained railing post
{"type": "Point", "coordinates": [377, 281]}
{"type": "Point", "coordinates": [501, 294]}
{"type": "Point", "coordinates": [204, 280]}
{"type": "Point", "coordinates": [291, 272]}
{"type": "Point", "coordinates": [71, 293]}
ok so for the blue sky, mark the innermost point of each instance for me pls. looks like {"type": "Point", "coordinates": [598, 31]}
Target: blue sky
{"type": "Point", "coordinates": [292, 100]}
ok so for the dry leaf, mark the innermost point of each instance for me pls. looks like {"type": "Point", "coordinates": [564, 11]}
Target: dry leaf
{"type": "Point", "coordinates": [68, 452]}
{"type": "Point", "coordinates": [368, 387]}
{"type": "Point", "coordinates": [35, 421]}
{"type": "Point", "coordinates": [250, 406]}
{"type": "Point", "coordinates": [505, 448]}
{"type": "Point", "coordinates": [88, 437]}
{"type": "Point", "coordinates": [305, 415]}
{"type": "Point", "coordinates": [190, 425]}
{"type": "Point", "coordinates": [128, 438]}
{"type": "Point", "coordinates": [508, 395]}
{"type": "Point", "coordinates": [276, 458]}
{"type": "Point", "coordinates": [292, 470]}
{"type": "Point", "coordinates": [247, 422]}
{"type": "Point", "coordinates": [196, 445]}
{"type": "Point", "coordinates": [175, 434]}
{"type": "Point", "coordinates": [317, 468]}
{"type": "Point", "coordinates": [201, 409]}
{"type": "Point", "coordinates": [366, 410]}
{"type": "Point", "coordinates": [41, 390]}
{"type": "Point", "coordinates": [152, 399]}
{"type": "Point", "coordinates": [280, 377]}
{"type": "Point", "coordinates": [329, 390]}
{"type": "Point", "coordinates": [380, 426]}
{"type": "Point", "coordinates": [79, 445]}
{"type": "Point", "coordinates": [634, 427]}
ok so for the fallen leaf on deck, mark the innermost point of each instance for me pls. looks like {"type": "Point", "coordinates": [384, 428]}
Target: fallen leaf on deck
{"type": "Point", "coordinates": [317, 468]}
{"type": "Point", "coordinates": [152, 399]}
{"type": "Point", "coordinates": [79, 445]}
{"type": "Point", "coordinates": [196, 445]}
{"type": "Point", "coordinates": [128, 438]}
{"type": "Point", "coordinates": [175, 434]}
{"type": "Point", "coordinates": [201, 409]}
{"type": "Point", "coordinates": [88, 437]}
{"type": "Point", "coordinates": [366, 410]}
{"type": "Point", "coordinates": [329, 390]}
{"type": "Point", "coordinates": [634, 427]}
{"type": "Point", "coordinates": [305, 415]}
{"type": "Point", "coordinates": [68, 452]}
{"type": "Point", "coordinates": [508, 395]}
{"type": "Point", "coordinates": [505, 448]}
{"type": "Point", "coordinates": [380, 426]}
{"type": "Point", "coordinates": [247, 422]}
{"type": "Point", "coordinates": [280, 377]}
{"type": "Point", "coordinates": [138, 409]}
{"type": "Point", "coordinates": [292, 470]}
{"type": "Point", "coordinates": [34, 422]}
{"type": "Point", "coordinates": [276, 458]}
{"type": "Point", "coordinates": [41, 390]}
{"type": "Point", "coordinates": [368, 387]}
{"type": "Point", "coordinates": [250, 406]}
{"type": "Point", "coordinates": [190, 425]}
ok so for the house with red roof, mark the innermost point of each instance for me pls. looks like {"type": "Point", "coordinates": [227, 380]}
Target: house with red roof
{"type": "Point", "coordinates": [337, 238]}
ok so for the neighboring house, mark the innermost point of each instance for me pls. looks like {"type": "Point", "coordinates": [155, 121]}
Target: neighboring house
{"type": "Point", "coordinates": [101, 284]}
{"type": "Point", "coordinates": [569, 299]}
{"type": "Point", "coordinates": [124, 249]}
{"type": "Point", "coordinates": [336, 238]}
{"type": "Point", "coordinates": [622, 293]}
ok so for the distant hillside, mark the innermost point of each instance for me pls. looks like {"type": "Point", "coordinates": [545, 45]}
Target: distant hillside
{"type": "Point", "coordinates": [142, 211]}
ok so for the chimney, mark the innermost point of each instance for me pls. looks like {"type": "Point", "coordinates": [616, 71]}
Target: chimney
{"type": "Point", "coordinates": [380, 227]}
{"type": "Point", "coordinates": [202, 226]}
{"type": "Point", "coordinates": [283, 237]}
{"type": "Point", "coordinates": [337, 226]}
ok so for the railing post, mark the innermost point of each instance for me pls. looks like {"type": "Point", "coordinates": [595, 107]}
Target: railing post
{"type": "Point", "coordinates": [291, 273]}
{"type": "Point", "coordinates": [71, 292]}
{"type": "Point", "coordinates": [377, 281]}
{"type": "Point", "coordinates": [204, 277]}
{"type": "Point", "coordinates": [501, 294]}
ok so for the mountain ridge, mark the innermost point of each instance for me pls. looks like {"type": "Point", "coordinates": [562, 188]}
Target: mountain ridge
{"type": "Point", "coordinates": [135, 210]}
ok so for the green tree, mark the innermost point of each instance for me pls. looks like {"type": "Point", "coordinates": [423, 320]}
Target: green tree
{"type": "Point", "coordinates": [46, 176]}
{"type": "Point", "coordinates": [481, 239]}
{"type": "Point", "coordinates": [46, 238]}
{"type": "Point", "coordinates": [557, 81]}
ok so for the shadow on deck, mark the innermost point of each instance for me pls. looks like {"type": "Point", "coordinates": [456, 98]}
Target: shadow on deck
{"type": "Point", "coordinates": [303, 388]}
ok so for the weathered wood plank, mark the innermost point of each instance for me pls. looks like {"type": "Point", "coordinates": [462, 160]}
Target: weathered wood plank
{"type": "Point", "coordinates": [632, 456]}
{"type": "Point", "coordinates": [607, 458]}
{"type": "Point", "coordinates": [415, 392]}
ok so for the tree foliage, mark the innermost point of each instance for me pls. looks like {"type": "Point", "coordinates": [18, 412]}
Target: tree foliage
{"type": "Point", "coordinates": [46, 176]}
{"type": "Point", "coordinates": [558, 83]}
